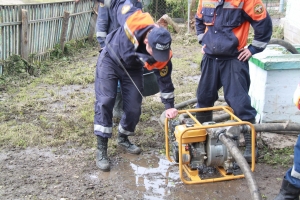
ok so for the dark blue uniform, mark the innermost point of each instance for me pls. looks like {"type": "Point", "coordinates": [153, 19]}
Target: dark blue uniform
{"type": "Point", "coordinates": [293, 174]}
{"type": "Point", "coordinates": [223, 26]}
{"type": "Point", "coordinates": [126, 45]}
{"type": "Point", "coordinates": [106, 23]}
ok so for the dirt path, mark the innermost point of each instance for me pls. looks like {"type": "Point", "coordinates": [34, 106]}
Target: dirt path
{"type": "Point", "coordinates": [60, 173]}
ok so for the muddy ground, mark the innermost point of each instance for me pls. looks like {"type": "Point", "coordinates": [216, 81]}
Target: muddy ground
{"type": "Point", "coordinates": [68, 171]}
{"type": "Point", "coordinates": [62, 173]}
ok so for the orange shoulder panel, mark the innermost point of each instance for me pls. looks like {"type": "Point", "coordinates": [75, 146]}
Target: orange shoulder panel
{"type": "Point", "coordinates": [255, 9]}
{"type": "Point", "coordinates": [139, 20]}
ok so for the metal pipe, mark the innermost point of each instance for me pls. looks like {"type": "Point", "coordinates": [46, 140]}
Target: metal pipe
{"type": "Point", "coordinates": [189, 10]}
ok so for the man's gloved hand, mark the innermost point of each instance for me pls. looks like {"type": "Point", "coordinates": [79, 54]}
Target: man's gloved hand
{"type": "Point", "coordinates": [171, 113]}
{"type": "Point", "coordinates": [199, 37]}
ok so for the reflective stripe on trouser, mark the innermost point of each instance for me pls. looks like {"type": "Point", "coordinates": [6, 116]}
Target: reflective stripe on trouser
{"type": "Point", "coordinates": [234, 76]}
{"type": "Point", "coordinates": [107, 75]}
{"type": "Point", "coordinates": [293, 174]}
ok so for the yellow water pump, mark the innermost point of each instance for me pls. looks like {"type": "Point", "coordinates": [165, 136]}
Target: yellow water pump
{"type": "Point", "coordinates": [196, 147]}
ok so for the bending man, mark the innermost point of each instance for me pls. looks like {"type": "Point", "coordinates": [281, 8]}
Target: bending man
{"type": "Point", "coordinates": [138, 43]}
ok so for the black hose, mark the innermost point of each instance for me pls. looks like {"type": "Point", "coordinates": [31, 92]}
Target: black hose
{"type": "Point", "coordinates": [239, 158]}
{"type": "Point", "coordinates": [285, 44]}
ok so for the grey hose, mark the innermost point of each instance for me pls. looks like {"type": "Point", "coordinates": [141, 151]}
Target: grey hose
{"type": "Point", "coordinates": [274, 127]}
{"type": "Point", "coordinates": [235, 152]}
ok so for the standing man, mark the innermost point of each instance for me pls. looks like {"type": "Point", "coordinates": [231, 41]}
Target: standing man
{"type": "Point", "coordinates": [222, 29]}
{"type": "Point", "coordinates": [107, 22]}
{"type": "Point", "coordinates": [290, 187]}
{"type": "Point", "coordinates": [137, 43]}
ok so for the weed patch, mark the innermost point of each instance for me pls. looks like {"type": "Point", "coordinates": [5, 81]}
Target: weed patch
{"type": "Point", "coordinates": [277, 156]}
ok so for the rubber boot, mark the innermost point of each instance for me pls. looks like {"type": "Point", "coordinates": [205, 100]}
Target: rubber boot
{"type": "Point", "coordinates": [205, 116]}
{"type": "Point", "coordinates": [124, 142]}
{"type": "Point", "coordinates": [102, 161]}
{"type": "Point", "coordinates": [247, 153]}
{"type": "Point", "coordinates": [117, 111]}
{"type": "Point", "coordinates": [288, 191]}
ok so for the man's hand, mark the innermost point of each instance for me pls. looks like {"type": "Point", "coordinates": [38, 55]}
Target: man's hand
{"type": "Point", "coordinates": [244, 55]}
{"type": "Point", "coordinates": [171, 113]}
{"type": "Point", "coordinates": [202, 49]}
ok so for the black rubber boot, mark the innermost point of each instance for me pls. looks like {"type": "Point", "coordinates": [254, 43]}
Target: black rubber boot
{"type": "Point", "coordinates": [124, 142]}
{"type": "Point", "coordinates": [247, 153]}
{"type": "Point", "coordinates": [102, 161]}
{"type": "Point", "coordinates": [205, 116]}
{"type": "Point", "coordinates": [117, 111]}
{"type": "Point", "coordinates": [288, 191]}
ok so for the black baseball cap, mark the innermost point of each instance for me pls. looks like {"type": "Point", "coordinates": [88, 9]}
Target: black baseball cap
{"type": "Point", "coordinates": [160, 41]}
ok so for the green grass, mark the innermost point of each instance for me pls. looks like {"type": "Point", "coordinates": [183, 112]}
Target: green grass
{"type": "Point", "coordinates": [49, 109]}
{"type": "Point", "coordinates": [277, 156]}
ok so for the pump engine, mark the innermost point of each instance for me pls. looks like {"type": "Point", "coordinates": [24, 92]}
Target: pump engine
{"type": "Point", "coordinates": [198, 150]}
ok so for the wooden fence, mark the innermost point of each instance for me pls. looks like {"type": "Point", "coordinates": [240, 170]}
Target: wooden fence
{"type": "Point", "coordinates": [34, 29]}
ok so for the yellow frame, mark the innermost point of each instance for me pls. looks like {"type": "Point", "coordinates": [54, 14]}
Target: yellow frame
{"type": "Point", "coordinates": [193, 174]}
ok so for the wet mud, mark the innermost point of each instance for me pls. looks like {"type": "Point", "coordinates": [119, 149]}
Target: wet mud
{"type": "Point", "coordinates": [72, 174]}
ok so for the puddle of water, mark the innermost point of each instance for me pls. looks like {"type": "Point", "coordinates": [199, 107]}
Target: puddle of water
{"type": "Point", "coordinates": [154, 177]}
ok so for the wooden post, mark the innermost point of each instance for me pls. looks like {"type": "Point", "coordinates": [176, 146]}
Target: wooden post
{"type": "Point", "coordinates": [192, 16]}
{"type": "Point", "coordinates": [92, 25]}
{"type": "Point", "coordinates": [64, 30]}
{"type": "Point", "coordinates": [24, 35]}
